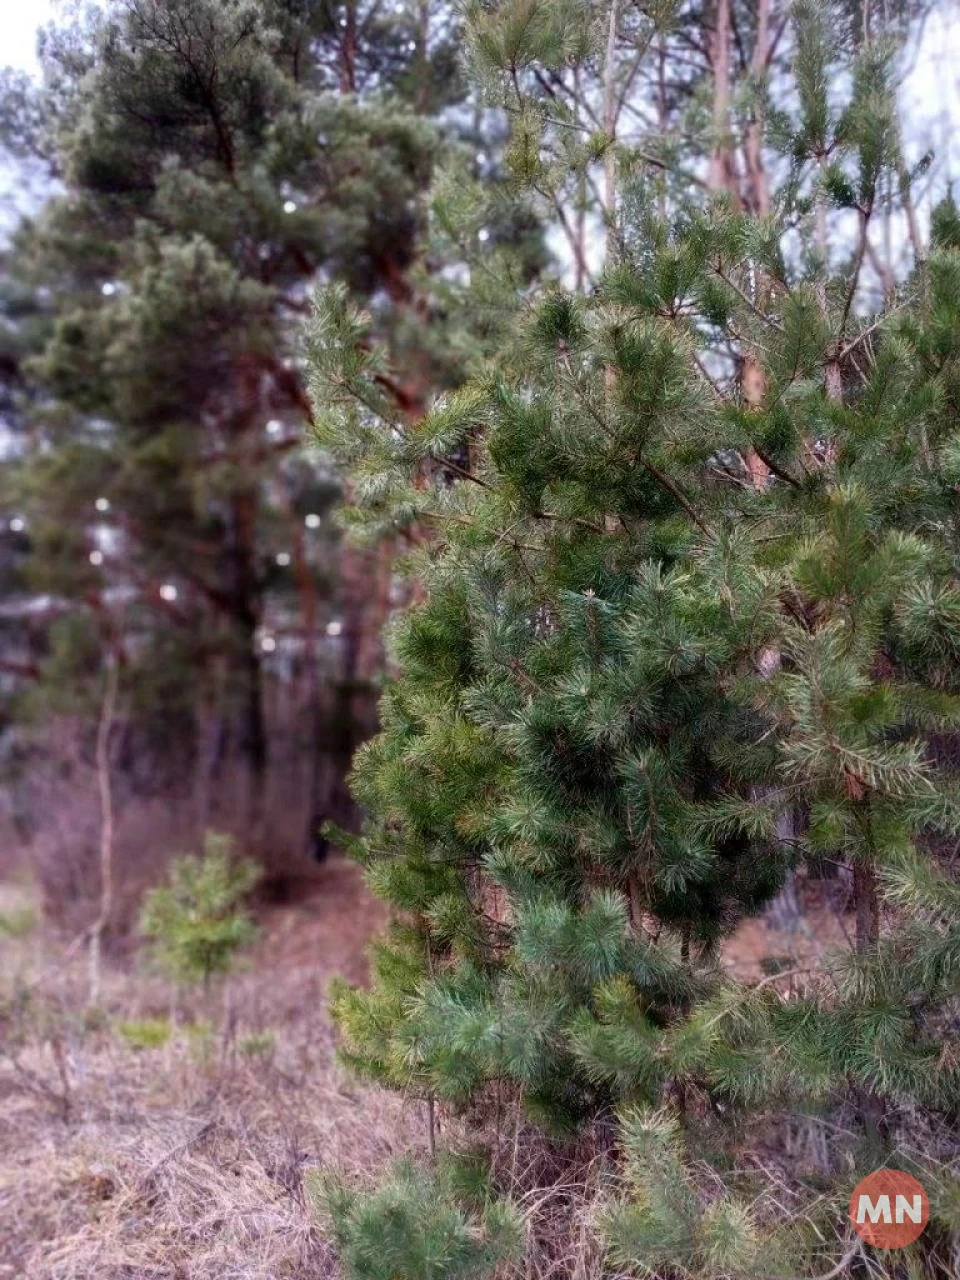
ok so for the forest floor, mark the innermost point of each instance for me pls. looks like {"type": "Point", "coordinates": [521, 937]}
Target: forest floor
{"type": "Point", "coordinates": [124, 1157]}
{"type": "Point", "coordinates": [138, 1145]}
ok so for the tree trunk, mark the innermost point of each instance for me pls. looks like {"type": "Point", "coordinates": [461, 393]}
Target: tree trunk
{"type": "Point", "coordinates": [105, 788]}
{"type": "Point", "coordinates": [610, 128]}
{"type": "Point", "coordinates": [246, 671]}
{"type": "Point", "coordinates": [722, 176]}
{"type": "Point", "coordinates": [866, 903]}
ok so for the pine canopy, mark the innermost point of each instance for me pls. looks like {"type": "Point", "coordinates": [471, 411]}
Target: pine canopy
{"type": "Point", "coordinates": [690, 624]}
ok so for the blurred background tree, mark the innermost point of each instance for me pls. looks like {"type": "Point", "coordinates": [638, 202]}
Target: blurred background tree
{"type": "Point", "coordinates": [209, 163]}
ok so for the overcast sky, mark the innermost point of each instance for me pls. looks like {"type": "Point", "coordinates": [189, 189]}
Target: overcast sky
{"type": "Point", "coordinates": [19, 20]}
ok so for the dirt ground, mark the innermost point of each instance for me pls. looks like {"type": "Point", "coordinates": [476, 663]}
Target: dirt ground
{"type": "Point", "coordinates": [766, 945]}
{"type": "Point", "coordinates": [125, 1158]}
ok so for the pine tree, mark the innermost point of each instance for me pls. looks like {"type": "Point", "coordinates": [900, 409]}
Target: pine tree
{"type": "Point", "coordinates": [638, 649]}
{"type": "Point", "coordinates": [417, 1224]}
{"type": "Point", "coordinates": [213, 160]}
{"type": "Point", "coordinates": [197, 923]}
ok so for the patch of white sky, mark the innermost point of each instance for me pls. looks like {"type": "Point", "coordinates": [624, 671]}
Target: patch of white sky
{"type": "Point", "coordinates": [930, 95]}
{"type": "Point", "coordinates": [20, 22]}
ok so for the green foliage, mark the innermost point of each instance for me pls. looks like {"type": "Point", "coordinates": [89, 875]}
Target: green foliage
{"type": "Point", "coordinates": [259, 1044]}
{"type": "Point", "coordinates": [145, 1033]}
{"type": "Point", "coordinates": [416, 1225]}
{"type": "Point", "coordinates": [689, 623]}
{"type": "Point", "coordinates": [197, 923]}
{"type": "Point", "coordinates": [663, 1222]}
{"type": "Point", "coordinates": [18, 921]}
{"type": "Point", "coordinates": [214, 158]}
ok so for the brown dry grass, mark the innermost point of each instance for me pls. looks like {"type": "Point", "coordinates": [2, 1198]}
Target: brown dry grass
{"type": "Point", "coordinates": [185, 1160]}
{"type": "Point", "coordinates": [188, 1160]}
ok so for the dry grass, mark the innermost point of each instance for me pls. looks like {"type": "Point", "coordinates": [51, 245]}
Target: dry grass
{"type": "Point", "coordinates": [189, 1158]}
{"type": "Point", "coordinates": [186, 1159]}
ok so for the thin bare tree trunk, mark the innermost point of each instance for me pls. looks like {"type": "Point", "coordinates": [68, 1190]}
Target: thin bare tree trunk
{"type": "Point", "coordinates": [348, 50]}
{"type": "Point", "coordinates": [866, 898]}
{"type": "Point", "coordinates": [823, 247]}
{"type": "Point", "coordinates": [784, 910]}
{"type": "Point", "coordinates": [423, 57]}
{"type": "Point", "coordinates": [756, 169]}
{"type": "Point", "coordinates": [724, 178]}
{"type": "Point", "coordinates": [247, 672]}
{"type": "Point", "coordinates": [910, 209]}
{"type": "Point", "coordinates": [610, 177]}
{"type": "Point", "coordinates": [720, 163]}
{"type": "Point", "coordinates": [754, 380]}
{"type": "Point", "coordinates": [105, 789]}
{"type": "Point", "coordinates": [580, 224]}
{"type": "Point", "coordinates": [610, 127]}
{"type": "Point", "coordinates": [866, 902]}
{"type": "Point", "coordinates": [317, 799]}
{"type": "Point", "coordinates": [662, 113]}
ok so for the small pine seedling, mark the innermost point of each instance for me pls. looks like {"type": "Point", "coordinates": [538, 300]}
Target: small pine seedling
{"type": "Point", "coordinates": [197, 922]}
{"type": "Point", "coordinates": [415, 1224]}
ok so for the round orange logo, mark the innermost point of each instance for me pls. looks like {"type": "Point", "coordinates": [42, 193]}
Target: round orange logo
{"type": "Point", "coordinates": [889, 1209]}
